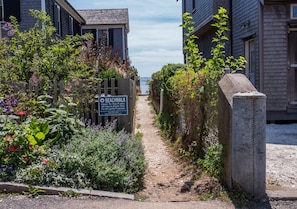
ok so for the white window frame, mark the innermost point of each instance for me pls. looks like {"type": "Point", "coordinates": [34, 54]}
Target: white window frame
{"type": "Point", "coordinates": [2, 11]}
{"type": "Point", "coordinates": [71, 29]}
{"type": "Point", "coordinates": [292, 11]}
{"type": "Point", "coordinates": [59, 26]}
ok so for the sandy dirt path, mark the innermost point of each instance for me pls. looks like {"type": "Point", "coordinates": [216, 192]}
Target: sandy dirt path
{"type": "Point", "coordinates": [164, 178]}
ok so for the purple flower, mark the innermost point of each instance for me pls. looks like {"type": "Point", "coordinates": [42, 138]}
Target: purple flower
{"type": "Point", "coordinates": [112, 126]}
{"type": "Point", "coordinates": [32, 69]}
{"type": "Point", "coordinates": [8, 109]}
{"type": "Point", "coordinates": [11, 32]}
{"type": "Point", "coordinates": [2, 167]}
{"type": "Point", "coordinates": [3, 104]}
{"type": "Point", "coordinates": [122, 140]}
{"type": "Point", "coordinates": [13, 102]}
{"type": "Point", "coordinates": [7, 26]}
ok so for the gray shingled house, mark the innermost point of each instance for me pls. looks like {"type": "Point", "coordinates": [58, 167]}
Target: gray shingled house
{"type": "Point", "coordinates": [68, 21]}
{"type": "Point", "coordinates": [265, 33]}
{"type": "Point", "coordinates": [113, 22]}
{"type": "Point", "coordinates": [65, 18]}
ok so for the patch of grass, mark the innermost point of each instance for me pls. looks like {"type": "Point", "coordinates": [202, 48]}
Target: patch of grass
{"type": "Point", "coordinates": [140, 197]}
{"type": "Point", "coordinates": [69, 193]}
{"type": "Point", "coordinates": [33, 192]}
{"type": "Point", "coordinates": [138, 135]}
{"type": "Point", "coordinates": [4, 194]}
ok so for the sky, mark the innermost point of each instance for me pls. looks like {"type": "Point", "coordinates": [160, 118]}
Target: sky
{"type": "Point", "coordinates": [155, 37]}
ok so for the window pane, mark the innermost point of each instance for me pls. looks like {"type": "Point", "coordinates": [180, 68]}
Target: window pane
{"type": "Point", "coordinates": [1, 10]}
{"type": "Point", "coordinates": [57, 17]}
{"type": "Point", "coordinates": [103, 37]}
{"type": "Point", "coordinates": [1, 15]}
{"type": "Point", "coordinates": [70, 26]}
{"type": "Point", "coordinates": [293, 49]}
{"type": "Point", "coordinates": [294, 11]}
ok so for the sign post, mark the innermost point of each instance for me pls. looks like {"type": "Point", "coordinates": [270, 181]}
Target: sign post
{"type": "Point", "coordinates": [113, 105]}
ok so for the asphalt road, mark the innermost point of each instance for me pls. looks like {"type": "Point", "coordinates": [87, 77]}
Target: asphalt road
{"type": "Point", "coordinates": [57, 202]}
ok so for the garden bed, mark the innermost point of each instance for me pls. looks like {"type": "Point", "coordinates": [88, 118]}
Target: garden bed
{"type": "Point", "coordinates": [53, 148]}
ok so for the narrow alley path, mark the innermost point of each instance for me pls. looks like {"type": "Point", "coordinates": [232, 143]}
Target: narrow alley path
{"type": "Point", "coordinates": [165, 178]}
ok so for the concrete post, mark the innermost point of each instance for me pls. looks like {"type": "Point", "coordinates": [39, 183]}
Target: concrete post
{"type": "Point", "coordinates": [248, 143]}
{"type": "Point", "coordinates": [242, 132]}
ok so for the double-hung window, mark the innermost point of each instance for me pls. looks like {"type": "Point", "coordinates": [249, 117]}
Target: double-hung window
{"type": "Point", "coordinates": [70, 26]}
{"type": "Point", "coordinates": [294, 11]}
{"type": "Point", "coordinates": [57, 17]}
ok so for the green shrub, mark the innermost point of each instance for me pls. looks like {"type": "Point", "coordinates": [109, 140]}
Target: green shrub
{"type": "Point", "coordinates": [212, 161]}
{"type": "Point", "coordinates": [35, 56]}
{"type": "Point", "coordinates": [192, 90]}
{"type": "Point", "coordinates": [100, 158]}
{"type": "Point", "coordinates": [110, 73]}
{"type": "Point", "coordinates": [168, 118]}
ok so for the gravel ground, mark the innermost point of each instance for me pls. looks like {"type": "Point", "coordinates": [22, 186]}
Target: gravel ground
{"type": "Point", "coordinates": [281, 156]}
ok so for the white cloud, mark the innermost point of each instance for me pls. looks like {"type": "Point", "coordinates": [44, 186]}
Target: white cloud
{"type": "Point", "coordinates": [155, 38]}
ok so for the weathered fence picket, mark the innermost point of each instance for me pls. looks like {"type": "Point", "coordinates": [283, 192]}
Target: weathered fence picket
{"type": "Point", "coordinates": [86, 94]}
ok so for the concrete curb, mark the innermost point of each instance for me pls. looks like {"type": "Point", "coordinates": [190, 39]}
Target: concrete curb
{"type": "Point", "coordinates": [282, 195]}
{"type": "Point", "coordinates": [20, 188]}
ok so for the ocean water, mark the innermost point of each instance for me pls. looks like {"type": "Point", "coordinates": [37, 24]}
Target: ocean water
{"type": "Point", "coordinates": [143, 84]}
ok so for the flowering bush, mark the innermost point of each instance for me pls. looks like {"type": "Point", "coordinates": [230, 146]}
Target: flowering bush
{"type": "Point", "coordinates": [104, 159]}
{"type": "Point", "coordinates": [44, 142]}
{"type": "Point", "coordinates": [15, 150]}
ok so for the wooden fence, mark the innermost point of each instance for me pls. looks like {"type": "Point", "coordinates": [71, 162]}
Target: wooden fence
{"type": "Point", "coordinates": [86, 94]}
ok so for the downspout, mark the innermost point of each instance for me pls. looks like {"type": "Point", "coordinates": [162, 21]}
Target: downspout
{"type": "Point", "coordinates": [43, 5]}
{"type": "Point", "coordinates": [261, 47]}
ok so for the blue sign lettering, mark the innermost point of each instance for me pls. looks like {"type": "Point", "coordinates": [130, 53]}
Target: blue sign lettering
{"type": "Point", "coordinates": [113, 105]}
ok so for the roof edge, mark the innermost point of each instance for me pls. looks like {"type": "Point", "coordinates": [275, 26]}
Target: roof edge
{"type": "Point", "coordinates": [71, 10]}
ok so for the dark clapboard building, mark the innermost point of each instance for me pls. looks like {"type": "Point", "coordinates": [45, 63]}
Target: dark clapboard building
{"type": "Point", "coordinates": [113, 23]}
{"type": "Point", "coordinates": [65, 18]}
{"type": "Point", "coordinates": [265, 33]}
{"type": "Point", "coordinates": [69, 21]}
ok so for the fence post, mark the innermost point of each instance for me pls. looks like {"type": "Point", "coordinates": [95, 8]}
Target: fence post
{"type": "Point", "coordinates": [128, 87]}
{"type": "Point", "coordinates": [161, 100]}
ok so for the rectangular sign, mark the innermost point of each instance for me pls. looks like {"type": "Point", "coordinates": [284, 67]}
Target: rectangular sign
{"type": "Point", "coordinates": [113, 105]}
